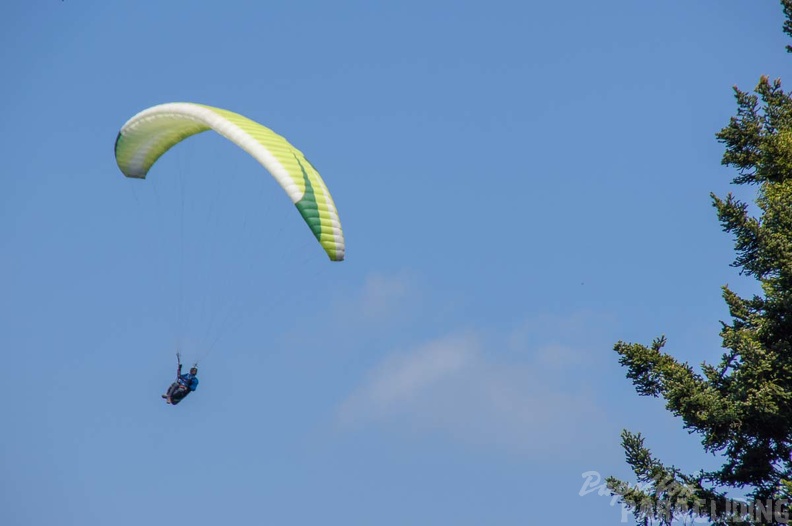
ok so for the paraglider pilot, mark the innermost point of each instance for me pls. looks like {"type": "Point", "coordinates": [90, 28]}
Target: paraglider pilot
{"type": "Point", "coordinates": [184, 384]}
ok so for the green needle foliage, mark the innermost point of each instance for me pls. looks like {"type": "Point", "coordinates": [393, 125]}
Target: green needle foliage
{"type": "Point", "coordinates": [741, 407]}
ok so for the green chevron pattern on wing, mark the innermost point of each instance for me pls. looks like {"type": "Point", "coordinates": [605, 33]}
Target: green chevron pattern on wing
{"type": "Point", "coordinates": [314, 202]}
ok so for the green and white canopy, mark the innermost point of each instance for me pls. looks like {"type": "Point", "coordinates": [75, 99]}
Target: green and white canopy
{"type": "Point", "coordinates": [152, 132]}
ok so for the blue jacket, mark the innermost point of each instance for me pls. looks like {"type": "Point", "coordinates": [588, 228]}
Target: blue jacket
{"type": "Point", "coordinates": [188, 380]}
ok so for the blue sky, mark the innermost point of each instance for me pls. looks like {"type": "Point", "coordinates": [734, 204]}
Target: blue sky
{"type": "Point", "coordinates": [521, 184]}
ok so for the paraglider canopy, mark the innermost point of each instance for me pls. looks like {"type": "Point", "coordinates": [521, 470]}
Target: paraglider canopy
{"type": "Point", "coordinates": [152, 132]}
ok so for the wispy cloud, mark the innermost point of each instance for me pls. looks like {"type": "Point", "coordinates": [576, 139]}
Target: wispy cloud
{"type": "Point", "coordinates": [528, 388]}
{"type": "Point", "coordinates": [383, 303]}
{"type": "Point", "coordinates": [404, 378]}
{"type": "Point", "coordinates": [384, 300]}
{"type": "Point", "coordinates": [456, 385]}
{"type": "Point", "coordinates": [383, 295]}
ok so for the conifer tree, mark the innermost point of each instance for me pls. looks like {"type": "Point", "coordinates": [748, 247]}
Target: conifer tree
{"type": "Point", "coordinates": [741, 407]}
